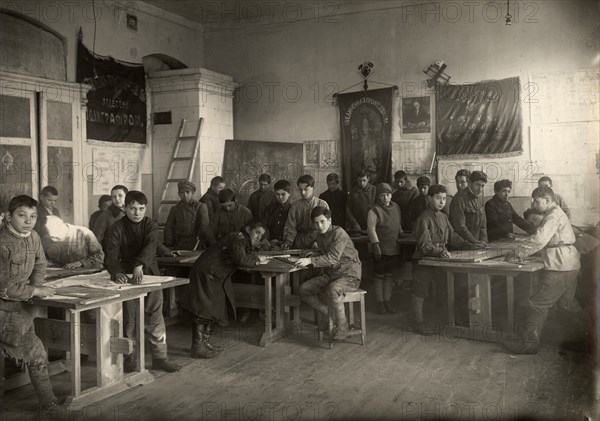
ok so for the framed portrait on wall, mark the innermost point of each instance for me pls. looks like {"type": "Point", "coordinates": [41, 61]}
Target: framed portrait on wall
{"type": "Point", "coordinates": [311, 154]}
{"type": "Point", "coordinates": [416, 115]}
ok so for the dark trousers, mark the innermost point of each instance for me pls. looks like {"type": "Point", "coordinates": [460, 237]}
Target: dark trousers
{"type": "Point", "coordinates": [154, 323]}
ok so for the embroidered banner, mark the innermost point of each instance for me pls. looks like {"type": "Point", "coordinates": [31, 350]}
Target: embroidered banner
{"type": "Point", "coordinates": [481, 119]}
{"type": "Point", "coordinates": [116, 109]}
{"type": "Point", "coordinates": [366, 121]}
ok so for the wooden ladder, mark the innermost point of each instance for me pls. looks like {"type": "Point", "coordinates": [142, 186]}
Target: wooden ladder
{"type": "Point", "coordinates": [177, 170]}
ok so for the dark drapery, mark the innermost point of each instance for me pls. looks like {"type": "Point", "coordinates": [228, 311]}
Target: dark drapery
{"type": "Point", "coordinates": [481, 119]}
{"type": "Point", "coordinates": [366, 135]}
{"type": "Point", "coordinates": [116, 109]}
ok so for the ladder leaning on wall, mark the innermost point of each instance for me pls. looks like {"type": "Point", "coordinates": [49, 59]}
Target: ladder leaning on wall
{"type": "Point", "coordinates": [185, 151]}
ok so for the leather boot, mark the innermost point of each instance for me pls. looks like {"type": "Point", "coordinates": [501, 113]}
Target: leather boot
{"type": "Point", "coordinates": [164, 364]}
{"type": "Point", "coordinates": [381, 308]}
{"type": "Point", "coordinates": [388, 308]}
{"type": "Point", "coordinates": [38, 373]}
{"type": "Point", "coordinates": [130, 363]}
{"type": "Point", "coordinates": [315, 302]}
{"type": "Point", "coordinates": [199, 348]}
{"type": "Point", "coordinates": [207, 334]}
{"type": "Point", "coordinates": [528, 342]}
{"type": "Point", "coordinates": [417, 307]}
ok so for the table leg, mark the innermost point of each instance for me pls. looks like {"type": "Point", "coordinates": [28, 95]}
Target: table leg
{"type": "Point", "coordinates": [109, 324]}
{"type": "Point", "coordinates": [280, 315]}
{"type": "Point", "coordinates": [75, 352]}
{"type": "Point", "coordinates": [267, 334]}
{"type": "Point", "coordinates": [139, 334]}
{"type": "Point", "coordinates": [295, 278]}
{"type": "Point", "coordinates": [450, 280]}
{"type": "Point", "coordinates": [480, 306]}
{"type": "Point", "coordinates": [510, 301]}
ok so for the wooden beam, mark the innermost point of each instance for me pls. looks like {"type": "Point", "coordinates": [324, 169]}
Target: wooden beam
{"type": "Point", "coordinates": [121, 346]}
{"type": "Point", "coordinates": [56, 334]}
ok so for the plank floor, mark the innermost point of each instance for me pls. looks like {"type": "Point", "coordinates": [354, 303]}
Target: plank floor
{"type": "Point", "coordinates": [396, 375]}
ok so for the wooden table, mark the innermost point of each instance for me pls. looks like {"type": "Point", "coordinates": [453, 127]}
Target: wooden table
{"type": "Point", "coordinates": [53, 273]}
{"type": "Point", "coordinates": [103, 339]}
{"type": "Point", "coordinates": [479, 277]}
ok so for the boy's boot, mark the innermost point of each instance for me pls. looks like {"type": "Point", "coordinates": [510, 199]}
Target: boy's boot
{"type": "Point", "coordinates": [207, 333]}
{"type": "Point", "coordinates": [528, 342]}
{"type": "Point", "coordinates": [130, 363]}
{"type": "Point", "coordinates": [38, 373]}
{"type": "Point", "coordinates": [199, 348]}
{"type": "Point", "coordinates": [164, 364]}
{"type": "Point", "coordinates": [417, 307]}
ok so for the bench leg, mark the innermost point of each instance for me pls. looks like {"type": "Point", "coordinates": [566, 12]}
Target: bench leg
{"type": "Point", "coordinates": [363, 322]}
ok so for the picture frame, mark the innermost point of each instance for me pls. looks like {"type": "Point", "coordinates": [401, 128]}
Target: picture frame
{"type": "Point", "coordinates": [311, 153]}
{"type": "Point", "coordinates": [416, 115]}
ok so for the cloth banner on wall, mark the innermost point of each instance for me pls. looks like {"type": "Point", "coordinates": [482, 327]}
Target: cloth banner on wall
{"type": "Point", "coordinates": [366, 121]}
{"type": "Point", "coordinates": [116, 109]}
{"type": "Point", "coordinates": [481, 119]}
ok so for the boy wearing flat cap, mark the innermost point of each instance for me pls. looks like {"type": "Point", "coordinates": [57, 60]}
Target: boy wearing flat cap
{"type": "Point", "coordinates": [418, 204]}
{"type": "Point", "coordinates": [187, 221]}
{"type": "Point", "coordinates": [383, 229]}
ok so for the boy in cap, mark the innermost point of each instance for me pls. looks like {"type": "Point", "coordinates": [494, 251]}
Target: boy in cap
{"type": "Point", "coordinates": [360, 199]}
{"type": "Point", "coordinates": [467, 214]}
{"type": "Point", "coordinates": [187, 221]}
{"type": "Point", "coordinates": [336, 198]}
{"type": "Point", "coordinates": [262, 198]}
{"type": "Point", "coordinates": [501, 216]}
{"type": "Point", "coordinates": [276, 214]}
{"type": "Point", "coordinates": [383, 228]}
{"type": "Point", "coordinates": [418, 204]}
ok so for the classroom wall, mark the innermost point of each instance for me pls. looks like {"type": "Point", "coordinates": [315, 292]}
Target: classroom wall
{"type": "Point", "coordinates": [158, 32]}
{"type": "Point", "coordinates": [291, 63]}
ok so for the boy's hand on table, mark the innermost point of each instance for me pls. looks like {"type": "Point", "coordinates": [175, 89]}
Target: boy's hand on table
{"type": "Point", "coordinates": [511, 257]}
{"type": "Point", "coordinates": [510, 236]}
{"type": "Point", "coordinates": [480, 244]}
{"type": "Point", "coordinates": [73, 265]}
{"type": "Point", "coordinates": [43, 292]}
{"type": "Point", "coordinates": [303, 262]}
{"type": "Point", "coordinates": [445, 254]}
{"type": "Point", "coordinates": [138, 275]}
{"type": "Point", "coordinates": [121, 278]}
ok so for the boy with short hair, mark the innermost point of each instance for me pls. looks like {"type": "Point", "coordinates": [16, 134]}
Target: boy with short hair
{"type": "Point", "coordinates": [103, 204]}
{"type": "Point", "coordinates": [418, 204]}
{"type": "Point", "coordinates": [501, 216]}
{"type": "Point", "coordinates": [277, 213]}
{"type": "Point", "coordinates": [232, 216]}
{"type": "Point", "coordinates": [360, 199]}
{"type": "Point", "coordinates": [467, 214]}
{"type": "Point", "coordinates": [404, 193]}
{"type": "Point", "coordinates": [342, 272]}
{"type": "Point", "coordinates": [462, 179]}
{"type": "Point", "coordinates": [131, 248]}
{"type": "Point", "coordinates": [336, 198]}
{"type": "Point", "coordinates": [299, 230]}
{"type": "Point", "coordinates": [546, 181]}
{"type": "Point", "coordinates": [22, 273]}
{"type": "Point", "coordinates": [433, 232]}
{"type": "Point", "coordinates": [48, 198]}
{"type": "Point", "coordinates": [261, 198]}
{"type": "Point", "coordinates": [383, 228]}
{"type": "Point", "coordinates": [115, 212]}
{"type": "Point", "coordinates": [554, 240]}
{"type": "Point", "coordinates": [211, 197]}
{"type": "Point", "coordinates": [184, 226]}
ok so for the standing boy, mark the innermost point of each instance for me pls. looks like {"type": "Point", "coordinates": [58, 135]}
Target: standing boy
{"type": "Point", "coordinates": [277, 213]}
{"type": "Point", "coordinates": [501, 216]}
{"type": "Point", "coordinates": [360, 199]}
{"type": "Point", "coordinates": [131, 249]}
{"type": "Point", "coordinates": [432, 232]}
{"type": "Point", "coordinates": [384, 228]}
{"type": "Point", "coordinates": [46, 206]}
{"type": "Point", "coordinates": [22, 273]}
{"type": "Point", "coordinates": [299, 230]}
{"type": "Point", "coordinates": [184, 226]}
{"type": "Point", "coordinates": [467, 214]}
{"type": "Point", "coordinates": [115, 212]}
{"type": "Point", "coordinates": [418, 204]}
{"type": "Point", "coordinates": [211, 197]}
{"type": "Point", "coordinates": [103, 204]}
{"type": "Point", "coordinates": [405, 192]}
{"type": "Point", "coordinates": [554, 240]}
{"type": "Point", "coordinates": [546, 181]}
{"type": "Point", "coordinates": [232, 216]}
{"type": "Point", "coordinates": [262, 198]}
{"type": "Point", "coordinates": [342, 272]}
{"type": "Point", "coordinates": [336, 198]}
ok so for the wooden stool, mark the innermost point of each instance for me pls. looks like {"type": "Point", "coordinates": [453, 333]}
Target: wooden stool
{"type": "Point", "coordinates": [357, 296]}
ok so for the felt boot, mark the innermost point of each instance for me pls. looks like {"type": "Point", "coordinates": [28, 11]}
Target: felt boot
{"type": "Point", "coordinates": [417, 307]}
{"type": "Point", "coordinates": [38, 373]}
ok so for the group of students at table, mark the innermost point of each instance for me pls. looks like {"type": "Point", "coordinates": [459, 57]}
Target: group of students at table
{"type": "Point", "coordinates": [125, 241]}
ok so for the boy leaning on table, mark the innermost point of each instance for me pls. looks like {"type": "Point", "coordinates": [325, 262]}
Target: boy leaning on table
{"type": "Point", "coordinates": [22, 273]}
{"type": "Point", "coordinates": [131, 248]}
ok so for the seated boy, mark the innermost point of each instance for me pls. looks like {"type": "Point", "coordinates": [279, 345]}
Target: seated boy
{"type": "Point", "coordinates": [383, 228]}
{"type": "Point", "coordinates": [211, 197]}
{"type": "Point", "coordinates": [337, 199]}
{"type": "Point", "coordinates": [501, 216]}
{"type": "Point", "coordinates": [404, 193]}
{"type": "Point", "coordinates": [554, 240]}
{"type": "Point", "coordinates": [48, 198]}
{"type": "Point", "coordinates": [232, 216]}
{"type": "Point", "coordinates": [277, 213]}
{"type": "Point", "coordinates": [115, 212]}
{"type": "Point", "coordinates": [342, 272]}
{"type": "Point", "coordinates": [181, 229]}
{"type": "Point", "coordinates": [360, 199]}
{"type": "Point", "coordinates": [299, 231]}
{"type": "Point", "coordinates": [262, 198]}
{"type": "Point", "coordinates": [131, 249]}
{"type": "Point", "coordinates": [103, 204]}
{"type": "Point", "coordinates": [432, 232]}
{"type": "Point", "coordinates": [71, 246]}
{"type": "Point", "coordinates": [22, 273]}
{"type": "Point", "coordinates": [418, 204]}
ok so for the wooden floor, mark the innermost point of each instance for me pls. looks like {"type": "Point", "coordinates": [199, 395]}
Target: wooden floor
{"type": "Point", "coordinates": [396, 375]}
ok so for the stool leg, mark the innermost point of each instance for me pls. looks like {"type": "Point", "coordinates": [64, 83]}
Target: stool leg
{"type": "Point", "coordinates": [351, 315]}
{"type": "Point", "coordinates": [330, 316]}
{"type": "Point", "coordinates": [363, 322]}
{"type": "Point", "coordinates": [319, 331]}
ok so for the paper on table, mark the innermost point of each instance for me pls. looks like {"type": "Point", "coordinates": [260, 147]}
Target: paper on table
{"type": "Point", "coordinates": [102, 280]}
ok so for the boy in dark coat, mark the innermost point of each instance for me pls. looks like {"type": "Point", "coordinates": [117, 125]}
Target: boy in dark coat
{"type": "Point", "coordinates": [184, 227]}
{"type": "Point", "coordinates": [48, 198]}
{"type": "Point", "coordinates": [114, 212]}
{"type": "Point", "coordinates": [404, 193]}
{"type": "Point", "coordinates": [418, 204]}
{"type": "Point", "coordinates": [277, 213]}
{"type": "Point", "coordinates": [337, 199]}
{"type": "Point", "coordinates": [103, 204]}
{"type": "Point", "coordinates": [262, 198]}
{"type": "Point", "coordinates": [211, 197]}
{"type": "Point", "coordinates": [500, 215]}
{"type": "Point", "coordinates": [131, 248]}
{"type": "Point", "coordinates": [232, 216]}
{"type": "Point", "coordinates": [210, 288]}
{"type": "Point", "coordinates": [467, 214]}
{"type": "Point", "coordinates": [360, 199]}
{"type": "Point", "coordinates": [22, 273]}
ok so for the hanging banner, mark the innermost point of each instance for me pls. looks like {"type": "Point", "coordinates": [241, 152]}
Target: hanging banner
{"type": "Point", "coordinates": [366, 121]}
{"type": "Point", "coordinates": [116, 109]}
{"type": "Point", "coordinates": [479, 120]}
